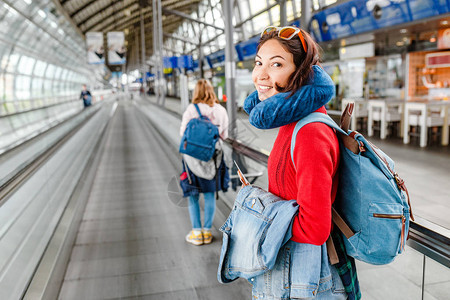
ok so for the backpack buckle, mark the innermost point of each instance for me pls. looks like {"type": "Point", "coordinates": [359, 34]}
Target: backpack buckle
{"type": "Point", "coordinates": [400, 182]}
{"type": "Point", "coordinates": [361, 146]}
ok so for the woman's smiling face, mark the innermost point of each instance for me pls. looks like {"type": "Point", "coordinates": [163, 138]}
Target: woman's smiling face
{"type": "Point", "coordinates": [273, 65]}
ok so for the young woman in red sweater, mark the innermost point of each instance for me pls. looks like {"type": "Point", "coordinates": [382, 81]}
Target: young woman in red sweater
{"type": "Point", "coordinates": [290, 84]}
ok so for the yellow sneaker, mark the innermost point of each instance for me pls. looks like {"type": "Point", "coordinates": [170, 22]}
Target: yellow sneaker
{"type": "Point", "coordinates": [195, 237]}
{"type": "Point", "coordinates": [207, 236]}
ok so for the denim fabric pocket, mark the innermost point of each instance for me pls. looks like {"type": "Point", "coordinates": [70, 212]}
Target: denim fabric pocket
{"type": "Point", "coordinates": [254, 204]}
{"type": "Point", "coordinates": [305, 270]}
{"type": "Point", "coordinates": [248, 229]}
{"type": "Point", "coordinates": [385, 229]}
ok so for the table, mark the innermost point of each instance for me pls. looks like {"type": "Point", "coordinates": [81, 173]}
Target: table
{"type": "Point", "coordinates": [385, 106]}
{"type": "Point", "coordinates": [425, 107]}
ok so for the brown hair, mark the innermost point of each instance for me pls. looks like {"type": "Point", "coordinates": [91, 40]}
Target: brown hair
{"type": "Point", "coordinates": [303, 60]}
{"type": "Point", "coordinates": [204, 93]}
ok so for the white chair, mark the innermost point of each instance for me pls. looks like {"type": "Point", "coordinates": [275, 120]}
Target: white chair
{"type": "Point", "coordinates": [434, 118]}
{"type": "Point", "coordinates": [384, 111]}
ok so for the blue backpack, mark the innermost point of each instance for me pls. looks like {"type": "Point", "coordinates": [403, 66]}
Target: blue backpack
{"type": "Point", "coordinates": [200, 138]}
{"type": "Point", "coordinates": [372, 208]}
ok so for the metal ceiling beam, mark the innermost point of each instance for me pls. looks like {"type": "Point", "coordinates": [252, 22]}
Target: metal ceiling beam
{"type": "Point", "coordinates": [134, 15]}
{"type": "Point", "coordinates": [62, 11]}
{"type": "Point", "coordinates": [82, 7]}
{"type": "Point", "coordinates": [183, 39]}
{"type": "Point", "coordinates": [128, 24]}
{"type": "Point", "coordinates": [100, 11]}
{"type": "Point", "coordinates": [185, 16]}
{"type": "Point", "coordinates": [135, 18]}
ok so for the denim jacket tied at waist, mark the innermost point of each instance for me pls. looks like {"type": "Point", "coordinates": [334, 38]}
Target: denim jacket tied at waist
{"type": "Point", "coordinates": [257, 227]}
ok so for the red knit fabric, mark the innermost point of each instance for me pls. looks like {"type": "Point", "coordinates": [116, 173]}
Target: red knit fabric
{"type": "Point", "coordinates": [314, 184]}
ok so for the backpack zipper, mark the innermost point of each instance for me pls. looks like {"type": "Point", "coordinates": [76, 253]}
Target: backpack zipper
{"type": "Point", "coordinates": [387, 216]}
{"type": "Point", "coordinates": [400, 182]}
{"type": "Point", "coordinates": [402, 217]}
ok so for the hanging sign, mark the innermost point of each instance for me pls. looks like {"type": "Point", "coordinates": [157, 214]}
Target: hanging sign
{"type": "Point", "coordinates": [95, 50]}
{"type": "Point", "coordinates": [116, 48]}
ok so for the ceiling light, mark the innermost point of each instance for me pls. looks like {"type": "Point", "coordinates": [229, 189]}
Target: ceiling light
{"type": "Point", "coordinates": [403, 30]}
{"type": "Point", "coordinates": [42, 13]}
{"type": "Point", "coordinates": [445, 22]}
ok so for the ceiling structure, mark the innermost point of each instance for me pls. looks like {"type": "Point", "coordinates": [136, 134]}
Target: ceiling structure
{"type": "Point", "coordinates": [185, 23]}
{"type": "Point", "coordinates": [124, 15]}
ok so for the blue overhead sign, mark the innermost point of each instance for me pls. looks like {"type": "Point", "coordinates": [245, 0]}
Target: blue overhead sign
{"type": "Point", "coordinates": [247, 49]}
{"type": "Point", "coordinates": [216, 59]}
{"type": "Point", "coordinates": [174, 62]}
{"type": "Point", "coordinates": [355, 16]}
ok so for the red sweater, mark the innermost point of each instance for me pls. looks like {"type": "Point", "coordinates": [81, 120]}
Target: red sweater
{"type": "Point", "coordinates": [314, 184]}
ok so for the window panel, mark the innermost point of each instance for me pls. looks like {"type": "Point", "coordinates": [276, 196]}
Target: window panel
{"type": "Point", "coordinates": [275, 12]}
{"type": "Point", "coordinates": [50, 73]}
{"type": "Point", "coordinates": [243, 7]}
{"type": "Point", "coordinates": [23, 87]}
{"type": "Point", "coordinates": [290, 12]}
{"type": "Point", "coordinates": [48, 87]}
{"type": "Point", "coordinates": [36, 90]}
{"type": "Point", "coordinates": [12, 63]}
{"type": "Point", "coordinates": [39, 69]}
{"type": "Point", "coordinates": [261, 21]}
{"type": "Point", "coordinates": [26, 65]}
{"type": "Point", "coordinates": [9, 87]}
{"type": "Point", "coordinates": [298, 4]}
{"type": "Point", "coordinates": [58, 72]}
{"type": "Point", "coordinates": [2, 87]}
{"type": "Point", "coordinates": [64, 74]}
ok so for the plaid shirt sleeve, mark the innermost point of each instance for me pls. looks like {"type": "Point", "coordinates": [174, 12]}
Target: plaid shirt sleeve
{"type": "Point", "coordinates": [346, 267]}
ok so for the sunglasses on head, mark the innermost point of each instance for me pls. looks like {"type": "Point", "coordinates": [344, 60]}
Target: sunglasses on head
{"type": "Point", "coordinates": [286, 33]}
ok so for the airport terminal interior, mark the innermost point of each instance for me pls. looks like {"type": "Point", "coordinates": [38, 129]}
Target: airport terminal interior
{"type": "Point", "coordinates": [92, 93]}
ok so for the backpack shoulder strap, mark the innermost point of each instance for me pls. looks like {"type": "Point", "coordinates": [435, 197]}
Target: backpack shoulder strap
{"type": "Point", "coordinates": [326, 119]}
{"type": "Point", "coordinates": [198, 109]}
{"type": "Point", "coordinates": [311, 118]}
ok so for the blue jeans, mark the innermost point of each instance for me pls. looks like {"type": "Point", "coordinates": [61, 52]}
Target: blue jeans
{"type": "Point", "coordinates": [291, 277]}
{"type": "Point", "coordinates": [194, 211]}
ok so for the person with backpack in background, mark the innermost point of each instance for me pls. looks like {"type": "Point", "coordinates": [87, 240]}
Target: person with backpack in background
{"type": "Point", "coordinates": [291, 84]}
{"type": "Point", "coordinates": [206, 177]}
{"type": "Point", "coordinates": [86, 96]}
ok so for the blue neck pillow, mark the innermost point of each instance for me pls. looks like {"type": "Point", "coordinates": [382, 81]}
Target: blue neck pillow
{"type": "Point", "coordinates": [280, 109]}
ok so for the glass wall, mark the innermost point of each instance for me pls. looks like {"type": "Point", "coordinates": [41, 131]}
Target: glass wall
{"type": "Point", "coordinates": [42, 58]}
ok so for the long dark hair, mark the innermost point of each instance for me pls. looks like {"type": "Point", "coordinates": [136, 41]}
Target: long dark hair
{"type": "Point", "coordinates": [303, 60]}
